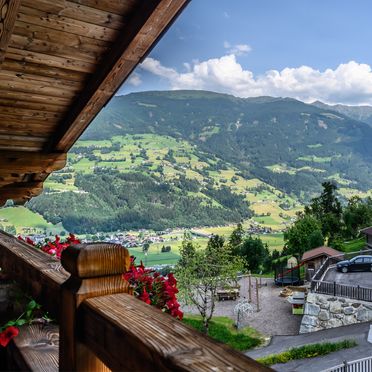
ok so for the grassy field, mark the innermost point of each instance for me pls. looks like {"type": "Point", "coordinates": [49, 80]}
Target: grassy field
{"type": "Point", "coordinates": [354, 245]}
{"type": "Point", "coordinates": [25, 220]}
{"type": "Point", "coordinates": [222, 329]}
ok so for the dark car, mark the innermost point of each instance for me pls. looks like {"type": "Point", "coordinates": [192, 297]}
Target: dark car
{"type": "Point", "coordinates": [358, 263]}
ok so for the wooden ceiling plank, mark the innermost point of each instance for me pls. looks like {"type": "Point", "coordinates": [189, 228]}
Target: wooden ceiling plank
{"type": "Point", "coordinates": [117, 7]}
{"type": "Point", "coordinates": [24, 138]}
{"type": "Point", "coordinates": [77, 11]}
{"type": "Point", "coordinates": [28, 112]}
{"type": "Point", "coordinates": [20, 191]}
{"type": "Point", "coordinates": [33, 97]}
{"type": "Point", "coordinates": [68, 25]}
{"type": "Point", "coordinates": [21, 162]}
{"type": "Point", "coordinates": [42, 70]}
{"type": "Point", "coordinates": [28, 133]}
{"type": "Point", "coordinates": [11, 76]}
{"type": "Point", "coordinates": [49, 60]}
{"type": "Point", "coordinates": [152, 18]}
{"type": "Point", "coordinates": [19, 86]}
{"type": "Point", "coordinates": [39, 33]}
{"type": "Point", "coordinates": [8, 16]}
{"type": "Point", "coordinates": [56, 49]}
{"type": "Point", "coordinates": [19, 147]}
{"type": "Point", "coordinates": [19, 104]}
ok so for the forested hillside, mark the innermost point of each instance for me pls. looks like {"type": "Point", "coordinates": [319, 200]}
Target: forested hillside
{"type": "Point", "coordinates": [194, 158]}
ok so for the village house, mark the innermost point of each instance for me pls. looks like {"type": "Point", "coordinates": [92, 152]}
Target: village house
{"type": "Point", "coordinates": [368, 233]}
{"type": "Point", "coordinates": [314, 258]}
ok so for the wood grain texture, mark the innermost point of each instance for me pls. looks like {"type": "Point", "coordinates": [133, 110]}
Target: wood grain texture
{"type": "Point", "coordinates": [96, 270]}
{"type": "Point", "coordinates": [144, 29]}
{"type": "Point", "coordinates": [128, 334]}
{"type": "Point", "coordinates": [8, 14]}
{"type": "Point", "coordinates": [36, 348]}
{"type": "Point", "coordinates": [36, 272]}
{"type": "Point", "coordinates": [61, 61]}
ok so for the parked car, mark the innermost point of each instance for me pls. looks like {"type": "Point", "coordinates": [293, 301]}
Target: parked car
{"type": "Point", "coordinates": [358, 263]}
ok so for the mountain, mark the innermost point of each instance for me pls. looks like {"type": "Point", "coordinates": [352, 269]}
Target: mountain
{"type": "Point", "coordinates": [361, 113]}
{"type": "Point", "coordinates": [189, 158]}
{"type": "Point", "coordinates": [286, 143]}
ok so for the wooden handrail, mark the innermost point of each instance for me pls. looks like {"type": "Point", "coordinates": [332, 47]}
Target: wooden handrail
{"type": "Point", "coordinates": [101, 325]}
{"type": "Point", "coordinates": [38, 273]}
{"type": "Point", "coordinates": [129, 335]}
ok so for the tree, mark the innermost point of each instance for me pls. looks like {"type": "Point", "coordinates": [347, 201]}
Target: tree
{"type": "Point", "coordinates": [255, 253]}
{"type": "Point", "coordinates": [357, 214]}
{"type": "Point", "coordinates": [327, 209]}
{"type": "Point", "coordinates": [146, 247]}
{"type": "Point", "coordinates": [236, 238]}
{"type": "Point", "coordinates": [303, 235]}
{"type": "Point", "coordinates": [201, 272]}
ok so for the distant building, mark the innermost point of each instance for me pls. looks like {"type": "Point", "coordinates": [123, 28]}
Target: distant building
{"type": "Point", "coordinates": [368, 233]}
{"type": "Point", "coordinates": [315, 257]}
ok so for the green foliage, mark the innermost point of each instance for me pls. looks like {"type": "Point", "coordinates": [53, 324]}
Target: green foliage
{"type": "Point", "coordinates": [357, 214]}
{"type": "Point", "coordinates": [327, 209]}
{"type": "Point", "coordinates": [222, 329]}
{"type": "Point", "coordinates": [111, 200]}
{"type": "Point", "coordinates": [201, 272]}
{"type": "Point", "coordinates": [307, 351]}
{"type": "Point", "coordinates": [255, 254]}
{"type": "Point", "coordinates": [303, 235]}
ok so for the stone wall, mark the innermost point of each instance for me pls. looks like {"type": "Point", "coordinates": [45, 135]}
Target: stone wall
{"type": "Point", "coordinates": [322, 312]}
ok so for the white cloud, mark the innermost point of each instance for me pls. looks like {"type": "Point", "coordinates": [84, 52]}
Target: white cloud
{"type": "Point", "coordinates": [237, 49]}
{"type": "Point", "coordinates": [349, 83]}
{"type": "Point", "coordinates": [135, 79]}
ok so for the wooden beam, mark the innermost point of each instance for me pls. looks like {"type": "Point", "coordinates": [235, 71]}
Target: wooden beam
{"type": "Point", "coordinates": [20, 192]}
{"type": "Point", "coordinates": [8, 16]}
{"type": "Point", "coordinates": [25, 162]}
{"type": "Point", "coordinates": [149, 22]}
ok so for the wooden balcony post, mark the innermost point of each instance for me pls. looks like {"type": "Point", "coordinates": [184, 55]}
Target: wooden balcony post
{"type": "Point", "coordinates": [96, 269]}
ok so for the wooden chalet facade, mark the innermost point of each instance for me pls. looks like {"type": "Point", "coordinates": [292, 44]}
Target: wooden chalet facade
{"type": "Point", "coordinates": [60, 63]}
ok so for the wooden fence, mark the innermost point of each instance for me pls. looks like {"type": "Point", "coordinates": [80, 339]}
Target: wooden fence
{"type": "Point", "coordinates": [359, 365]}
{"type": "Point", "coordinates": [101, 326]}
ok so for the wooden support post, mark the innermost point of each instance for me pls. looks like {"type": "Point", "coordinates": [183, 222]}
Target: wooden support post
{"type": "Point", "coordinates": [257, 298]}
{"type": "Point", "coordinates": [96, 269]}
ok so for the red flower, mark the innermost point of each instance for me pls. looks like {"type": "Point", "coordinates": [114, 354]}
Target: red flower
{"type": "Point", "coordinates": [7, 335]}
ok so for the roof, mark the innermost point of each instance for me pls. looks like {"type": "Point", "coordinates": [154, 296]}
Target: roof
{"type": "Point", "coordinates": [367, 230]}
{"type": "Point", "coordinates": [320, 251]}
{"type": "Point", "coordinates": [60, 63]}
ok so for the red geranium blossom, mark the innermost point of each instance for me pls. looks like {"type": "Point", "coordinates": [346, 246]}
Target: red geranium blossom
{"type": "Point", "coordinates": [154, 289]}
{"type": "Point", "coordinates": [7, 335]}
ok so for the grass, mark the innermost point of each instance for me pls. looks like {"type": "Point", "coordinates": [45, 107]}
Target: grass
{"type": "Point", "coordinates": [354, 245]}
{"type": "Point", "coordinates": [222, 329]}
{"type": "Point", "coordinates": [307, 351]}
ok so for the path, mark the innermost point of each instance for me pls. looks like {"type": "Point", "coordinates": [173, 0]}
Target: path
{"type": "Point", "coordinates": [279, 344]}
{"type": "Point", "coordinates": [275, 316]}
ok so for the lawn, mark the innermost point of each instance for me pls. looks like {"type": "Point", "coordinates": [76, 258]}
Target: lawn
{"type": "Point", "coordinates": [22, 217]}
{"type": "Point", "coordinates": [354, 245]}
{"type": "Point", "coordinates": [221, 328]}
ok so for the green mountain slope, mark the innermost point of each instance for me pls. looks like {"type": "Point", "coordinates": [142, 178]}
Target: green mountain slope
{"type": "Point", "coordinates": [195, 158]}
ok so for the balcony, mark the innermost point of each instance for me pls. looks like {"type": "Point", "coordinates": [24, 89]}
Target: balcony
{"type": "Point", "coordinates": [100, 325]}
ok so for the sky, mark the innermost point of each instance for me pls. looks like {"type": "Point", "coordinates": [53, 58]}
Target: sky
{"type": "Point", "coordinates": [305, 49]}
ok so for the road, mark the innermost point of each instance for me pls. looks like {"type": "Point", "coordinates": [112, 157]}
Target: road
{"type": "Point", "coordinates": [363, 279]}
{"type": "Point", "coordinates": [278, 344]}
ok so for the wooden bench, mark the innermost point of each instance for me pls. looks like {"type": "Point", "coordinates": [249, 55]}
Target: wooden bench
{"type": "Point", "coordinates": [228, 294]}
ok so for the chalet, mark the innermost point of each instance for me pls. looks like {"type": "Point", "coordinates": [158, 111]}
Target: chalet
{"type": "Point", "coordinates": [60, 62]}
{"type": "Point", "coordinates": [368, 233]}
{"type": "Point", "coordinates": [313, 258]}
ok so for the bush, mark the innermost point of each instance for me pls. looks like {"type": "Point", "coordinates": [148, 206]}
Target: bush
{"type": "Point", "coordinates": [307, 351]}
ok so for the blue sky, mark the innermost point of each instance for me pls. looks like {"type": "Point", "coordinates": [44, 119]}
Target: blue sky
{"type": "Point", "coordinates": [306, 49]}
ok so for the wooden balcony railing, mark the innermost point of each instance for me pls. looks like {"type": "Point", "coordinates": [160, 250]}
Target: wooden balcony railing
{"type": "Point", "coordinates": [101, 326]}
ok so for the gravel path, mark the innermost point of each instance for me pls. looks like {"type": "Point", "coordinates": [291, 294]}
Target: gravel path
{"type": "Point", "coordinates": [275, 315]}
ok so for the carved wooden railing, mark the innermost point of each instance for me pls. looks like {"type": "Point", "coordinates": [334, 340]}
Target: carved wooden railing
{"type": "Point", "coordinates": [101, 326]}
